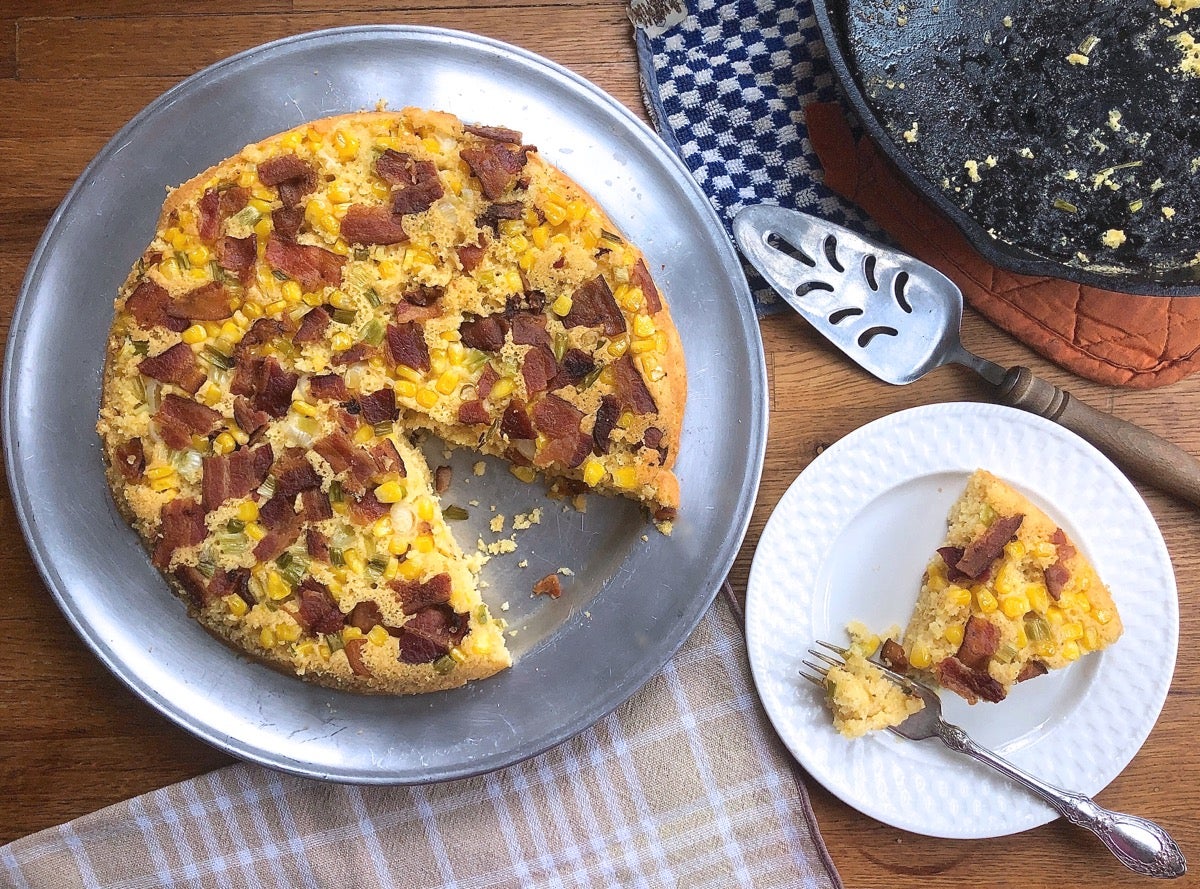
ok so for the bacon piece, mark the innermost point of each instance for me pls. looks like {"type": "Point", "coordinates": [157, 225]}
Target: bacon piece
{"type": "Point", "coordinates": [576, 364]}
{"type": "Point", "coordinates": [972, 685]}
{"type": "Point", "coordinates": [235, 582]}
{"type": "Point", "coordinates": [315, 542]}
{"type": "Point", "coordinates": [175, 365]}
{"type": "Point", "coordinates": [485, 334]}
{"type": "Point", "coordinates": [630, 388]}
{"type": "Point", "coordinates": [312, 326]}
{"type": "Point", "coordinates": [315, 507]}
{"type": "Point", "coordinates": [131, 459]}
{"type": "Point", "coordinates": [423, 295]}
{"type": "Point", "coordinates": [593, 305]}
{"type": "Point", "coordinates": [268, 384]}
{"type": "Point", "coordinates": [406, 345]}
{"type": "Point", "coordinates": [652, 437]}
{"type": "Point", "coordinates": [487, 380]}
{"type": "Point", "coordinates": [496, 165]}
{"type": "Point", "coordinates": [417, 649]}
{"type": "Point", "coordinates": [279, 539]}
{"type": "Point", "coordinates": [516, 424]}
{"type": "Point", "coordinates": [148, 305]}
{"type": "Point", "coordinates": [277, 513]}
{"type": "Point", "coordinates": [981, 552]}
{"type": "Point", "coordinates": [293, 177]}
{"type": "Point", "coordinates": [473, 413]}
{"type": "Point", "coordinates": [314, 267]}
{"type": "Point", "coordinates": [498, 212]}
{"type": "Point", "coordinates": [549, 585]}
{"type": "Point", "coordinates": [372, 225]}
{"type": "Point", "coordinates": [496, 134]}
{"type": "Point", "coordinates": [406, 311]}
{"type": "Point", "coordinates": [607, 415]}
{"type": "Point", "coordinates": [249, 418]}
{"type": "Point", "coordinates": [529, 329]}
{"type": "Point", "coordinates": [1032, 669]}
{"type": "Point", "coordinates": [1056, 577]}
{"type": "Point", "coordinates": [194, 584]}
{"type": "Point", "coordinates": [365, 508]}
{"type": "Point", "coordinates": [215, 206]}
{"type": "Point", "coordinates": [415, 595]}
{"type": "Point", "coordinates": [209, 302]}
{"type": "Point", "coordinates": [337, 450]}
{"type": "Point", "coordinates": [179, 418]}
{"type": "Point", "coordinates": [238, 255]}
{"type": "Point", "coordinates": [469, 256]}
{"type": "Point", "coordinates": [640, 276]}
{"type": "Point", "coordinates": [331, 387]}
{"type": "Point", "coordinates": [318, 611]}
{"type": "Point", "coordinates": [415, 182]}
{"type": "Point", "coordinates": [430, 634]}
{"type": "Point", "coordinates": [951, 556]}
{"type": "Point", "coordinates": [379, 406]}
{"type": "Point", "coordinates": [981, 640]}
{"type": "Point", "coordinates": [357, 352]}
{"type": "Point", "coordinates": [233, 475]}
{"type": "Point", "coordinates": [893, 655]}
{"type": "Point", "coordinates": [287, 222]}
{"type": "Point", "coordinates": [182, 524]}
{"type": "Point", "coordinates": [387, 459]}
{"type": "Point", "coordinates": [354, 656]}
{"type": "Point", "coordinates": [261, 331]}
{"type": "Point", "coordinates": [294, 474]}
{"type": "Point", "coordinates": [441, 479]}
{"type": "Point", "coordinates": [365, 615]}
{"type": "Point", "coordinates": [537, 369]}
{"type": "Point", "coordinates": [559, 420]}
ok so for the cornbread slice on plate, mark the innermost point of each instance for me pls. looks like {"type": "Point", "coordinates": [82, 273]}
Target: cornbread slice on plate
{"type": "Point", "coordinates": [308, 304]}
{"type": "Point", "coordinates": [1008, 597]}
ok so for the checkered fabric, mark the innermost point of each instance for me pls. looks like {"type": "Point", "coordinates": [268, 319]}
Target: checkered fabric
{"type": "Point", "coordinates": [684, 785]}
{"type": "Point", "coordinates": [726, 88]}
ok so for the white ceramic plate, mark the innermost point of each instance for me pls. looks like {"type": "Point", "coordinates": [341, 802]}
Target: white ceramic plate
{"type": "Point", "coordinates": [850, 539]}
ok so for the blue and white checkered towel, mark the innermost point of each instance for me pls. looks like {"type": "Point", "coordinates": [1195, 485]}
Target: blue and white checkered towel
{"type": "Point", "coordinates": [726, 87]}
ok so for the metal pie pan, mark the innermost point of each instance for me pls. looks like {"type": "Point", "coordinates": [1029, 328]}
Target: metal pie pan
{"type": "Point", "coordinates": [635, 594]}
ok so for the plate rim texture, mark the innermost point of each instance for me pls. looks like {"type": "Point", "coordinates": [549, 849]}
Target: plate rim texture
{"type": "Point", "coordinates": [1112, 698]}
{"type": "Point", "coordinates": [444, 735]}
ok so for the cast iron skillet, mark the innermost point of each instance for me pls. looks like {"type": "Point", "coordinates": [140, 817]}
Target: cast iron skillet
{"type": "Point", "coordinates": [1036, 156]}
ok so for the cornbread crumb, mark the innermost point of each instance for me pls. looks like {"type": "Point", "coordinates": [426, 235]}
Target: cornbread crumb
{"type": "Point", "coordinates": [479, 468]}
{"type": "Point", "coordinates": [972, 168]}
{"type": "Point", "coordinates": [1113, 238]}
{"type": "Point", "coordinates": [527, 520]}
{"type": "Point", "coordinates": [910, 135]}
{"type": "Point", "coordinates": [1077, 58]}
{"type": "Point", "coordinates": [497, 523]}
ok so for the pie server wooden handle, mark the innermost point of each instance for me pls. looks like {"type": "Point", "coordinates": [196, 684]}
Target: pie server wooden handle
{"type": "Point", "coordinates": [1141, 453]}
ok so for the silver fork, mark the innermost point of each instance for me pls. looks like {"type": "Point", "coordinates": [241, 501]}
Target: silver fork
{"type": "Point", "coordinates": [1139, 844]}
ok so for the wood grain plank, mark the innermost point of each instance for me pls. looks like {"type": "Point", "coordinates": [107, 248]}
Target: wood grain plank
{"type": "Point", "coordinates": [8, 47]}
{"type": "Point", "coordinates": [89, 9]}
{"type": "Point", "coordinates": [68, 49]}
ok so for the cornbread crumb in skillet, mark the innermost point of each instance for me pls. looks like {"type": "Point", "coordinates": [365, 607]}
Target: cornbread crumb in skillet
{"type": "Point", "coordinates": [305, 307]}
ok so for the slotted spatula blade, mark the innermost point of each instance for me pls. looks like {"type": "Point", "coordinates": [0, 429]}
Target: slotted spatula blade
{"type": "Point", "coordinates": [895, 316]}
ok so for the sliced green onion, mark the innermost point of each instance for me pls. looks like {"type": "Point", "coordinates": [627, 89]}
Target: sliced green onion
{"type": "Point", "coordinates": [609, 236]}
{"type": "Point", "coordinates": [344, 316]}
{"type": "Point", "coordinates": [235, 526]}
{"type": "Point", "coordinates": [335, 491]}
{"type": "Point", "coordinates": [376, 565]}
{"type": "Point", "coordinates": [334, 641]}
{"type": "Point", "coordinates": [444, 664]}
{"type": "Point", "coordinates": [218, 273]}
{"type": "Point", "coordinates": [217, 359]}
{"type": "Point", "coordinates": [1088, 44]}
{"type": "Point", "coordinates": [1006, 653]}
{"type": "Point", "coordinates": [372, 296]}
{"type": "Point", "coordinates": [384, 427]}
{"type": "Point", "coordinates": [455, 513]}
{"type": "Point", "coordinates": [482, 615]}
{"type": "Point", "coordinates": [1065, 206]}
{"type": "Point", "coordinates": [560, 346]}
{"type": "Point", "coordinates": [372, 332]}
{"type": "Point", "coordinates": [1037, 628]}
{"type": "Point", "coordinates": [361, 253]}
{"type": "Point", "coordinates": [207, 565]}
{"type": "Point", "coordinates": [336, 559]}
{"type": "Point", "coordinates": [1135, 205]}
{"type": "Point", "coordinates": [247, 216]}
{"type": "Point", "coordinates": [140, 347]}
{"type": "Point", "coordinates": [182, 259]}
{"type": "Point", "coordinates": [267, 488]}
{"type": "Point", "coordinates": [279, 276]}
{"type": "Point", "coordinates": [590, 378]}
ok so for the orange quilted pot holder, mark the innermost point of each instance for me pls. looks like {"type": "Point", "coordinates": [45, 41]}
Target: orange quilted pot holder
{"type": "Point", "coordinates": [1113, 338]}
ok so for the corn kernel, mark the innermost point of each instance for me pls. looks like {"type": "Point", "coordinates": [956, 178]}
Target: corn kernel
{"type": "Point", "coordinates": [957, 595]}
{"type": "Point", "coordinates": [619, 345]}
{"type": "Point", "coordinates": [1083, 603]}
{"type": "Point", "coordinates": [255, 531]}
{"type": "Point", "coordinates": [341, 341]}
{"type": "Point", "coordinates": [292, 292]}
{"type": "Point", "coordinates": [1014, 550]}
{"type": "Point", "coordinates": [389, 492]}
{"type": "Point", "coordinates": [524, 473]}
{"type": "Point", "coordinates": [625, 476]}
{"type": "Point", "coordinates": [527, 260]}
{"type": "Point", "coordinates": [392, 569]}
{"type": "Point", "coordinates": [643, 325]}
{"type": "Point", "coordinates": [986, 601]}
{"type": "Point", "coordinates": [405, 388]}
{"type": "Point", "coordinates": [561, 306]}
{"type": "Point", "coordinates": [1103, 616]}
{"type": "Point", "coordinates": [425, 509]}
{"type": "Point", "coordinates": [447, 382]}
{"type": "Point", "coordinates": [276, 308]}
{"type": "Point", "coordinates": [353, 560]}
{"type": "Point", "coordinates": [156, 472]}
{"type": "Point", "coordinates": [1070, 651]}
{"type": "Point", "coordinates": [1014, 606]}
{"type": "Point", "coordinates": [345, 145]}
{"type": "Point", "coordinates": [431, 145]}
{"type": "Point", "coordinates": [223, 444]}
{"type": "Point", "coordinates": [194, 334]}
{"type": "Point", "coordinates": [642, 346]}
{"type": "Point", "coordinates": [363, 434]}
{"type": "Point", "coordinates": [1055, 615]}
{"type": "Point", "coordinates": [457, 655]}
{"type": "Point", "coordinates": [209, 393]}
{"type": "Point", "coordinates": [266, 637]}
{"type": "Point", "coordinates": [423, 543]}
{"type": "Point", "coordinates": [502, 388]}
{"type": "Point", "coordinates": [919, 656]}
{"type": "Point", "coordinates": [1044, 549]}
{"type": "Point", "coordinates": [954, 634]}
{"type": "Point", "coordinates": [427, 398]}
{"type": "Point", "coordinates": [593, 472]}
{"type": "Point", "coordinates": [1039, 597]}
{"type": "Point", "coordinates": [263, 227]}
{"type": "Point", "coordinates": [277, 587]}
{"type": "Point", "coordinates": [377, 635]}
{"type": "Point", "coordinates": [1091, 639]}
{"type": "Point", "coordinates": [292, 140]}
{"type": "Point", "coordinates": [555, 213]}
{"type": "Point", "coordinates": [410, 570]}
{"type": "Point", "coordinates": [252, 311]}
{"type": "Point", "coordinates": [248, 511]}
{"type": "Point", "coordinates": [236, 605]}
{"type": "Point", "coordinates": [1072, 630]}
{"type": "Point", "coordinates": [540, 236]}
{"type": "Point", "coordinates": [289, 632]}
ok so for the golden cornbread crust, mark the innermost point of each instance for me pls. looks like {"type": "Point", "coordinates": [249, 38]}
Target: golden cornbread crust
{"type": "Point", "coordinates": [1039, 605]}
{"type": "Point", "coordinates": [309, 304]}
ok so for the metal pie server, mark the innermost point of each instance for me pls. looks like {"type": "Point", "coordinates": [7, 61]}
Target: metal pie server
{"type": "Point", "coordinates": [899, 318]}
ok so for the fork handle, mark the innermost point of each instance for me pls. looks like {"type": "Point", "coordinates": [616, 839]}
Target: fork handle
{"type": "Point", "coordinates": [1138, 451]}
{"type": "Point", "coordinates": [1138, 843]}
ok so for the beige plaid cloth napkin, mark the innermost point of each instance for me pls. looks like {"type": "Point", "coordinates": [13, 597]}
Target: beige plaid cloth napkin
{"type": "Point", "coordinates": [684, 785]}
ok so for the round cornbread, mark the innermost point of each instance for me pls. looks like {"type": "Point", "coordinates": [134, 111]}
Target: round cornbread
{"type": "Point", "coordinates": [308, 304]}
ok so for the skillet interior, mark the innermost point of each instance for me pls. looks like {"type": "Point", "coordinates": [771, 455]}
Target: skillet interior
{"type": "Point", "coordinates": [991, 111]}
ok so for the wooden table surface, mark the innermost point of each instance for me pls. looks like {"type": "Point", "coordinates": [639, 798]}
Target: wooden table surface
{"type": "Point", "coordinates": [73, 739]}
